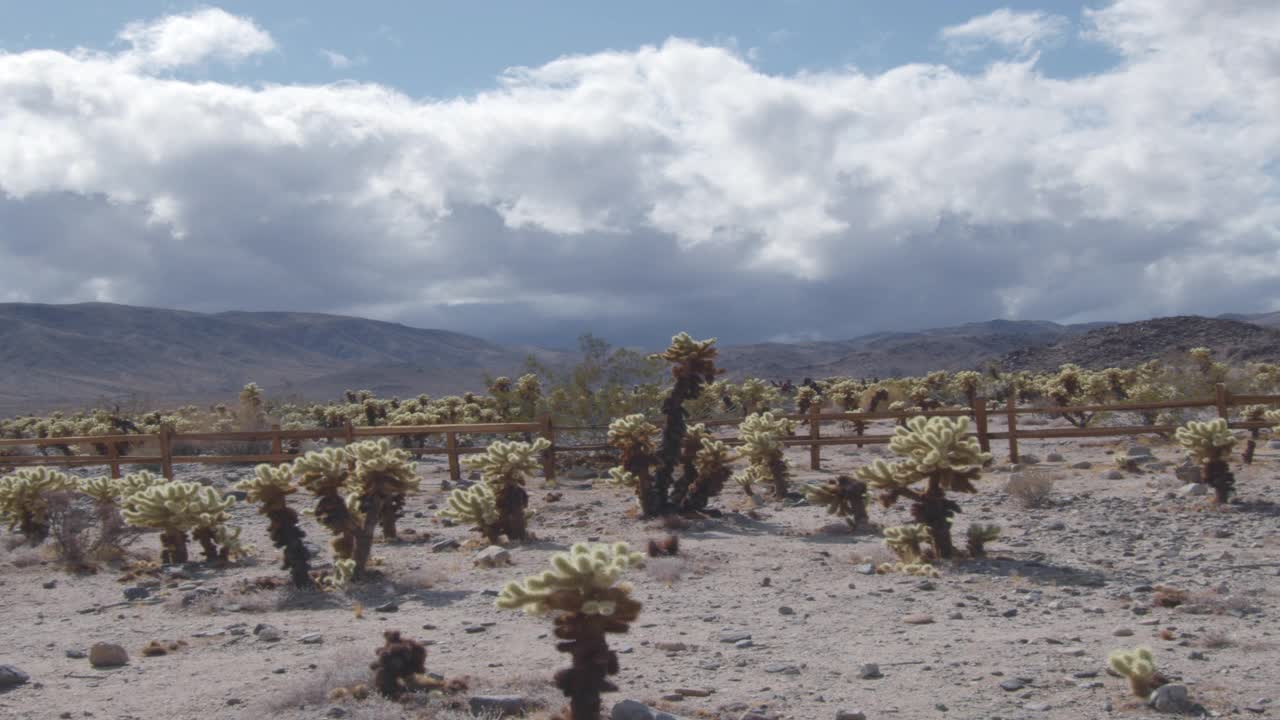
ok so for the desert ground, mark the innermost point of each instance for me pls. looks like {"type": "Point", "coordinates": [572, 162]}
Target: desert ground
{"type": "Point", "coordinates": [769, 611]}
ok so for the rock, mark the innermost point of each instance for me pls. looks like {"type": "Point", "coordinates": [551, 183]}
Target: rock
{"type": "Point", "coordinates": [1122, 632]}
{"type": "Point", "coordinates": [865, 569]}
{"type": "Point", "coordinates": [1028, 459]}
{"type": "Point", "coordinates": [107, 655]}
{"type": "Point", "coordinates": [869, 671]}
{"type": "Point", "coordinates": [1036, 707]}
{"type": "Point", "coordinates": [850, 715]}
{"type": "Point", "coordinates": [76, 654]}
{"type": "Point", "coordinates": [311, 639]}
{"type": "Point", "coordinates": [11, 677]}
{"type": "Point", "coordinates": [919, 619]}
{"type": "Point", "coordinates": [1012, 684]}
{"type": "Point", "coordinates": [1114, 475]}
{"type": "Point", "coordinates": [473, 629]}
{"type": "Point", "coordinates": [782, 668]}
{"type": "Point", "coordinates": [136, 593]}
{"type": "Point", "coordinates": [335, 712]}
{"type": "Point", "coordinates": [671, 646]}
{"type": "Point", "coordinates": [1136, 451]}
{"type": "Point", "coordinates": [1170, 699]}
{"type": "Point", "coordinates": [444, 545]}
{"type": "Point", "coordinates": [1082, 465]}
{"type": "Point", "coordinates": [267, 633]}
{"type": "Point", "coordinates": [786, 610]}
{"type": "Point", "coordinates": [1194, 489]}
{"type": "Point", "coordinates": [1054, 457]}
{"type": "Point", "coordinates": [389, 606]}
{"type": "Point", "coordinates": [632, 710]}
{"type": "Point", "coordinates": [733, 636]}
{"type": "Point", "coordinates": [501, 705]}
{"type": "Point", "coordinates": [492, 556]}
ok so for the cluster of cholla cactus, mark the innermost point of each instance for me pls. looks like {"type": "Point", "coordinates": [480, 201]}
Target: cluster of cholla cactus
{"type": "Point", "coordinates": [708, 464]}
{"type": "Point", "coordinates": [692, 367]}
{"type": "Point", "coordinates": [582, 589]}
{"type": "Point", "coordinates": [176, 508]}
{"type": "Point", "coordinates": [325, 474]}
{"type": "Point", "coordinates": [1210, 444]}
{"type": "Point", "coordinates": [1138, 666]}
{"type": "Point", "coordinates": [24, 500]}
{"type": "Point", "coordinates": [937, 452]}
{"type": "Point", "coordinates": [762, 435]}
{"type": "Point", "coordinates": [842, 496]}
{"type": "Point", "coordinates": [381, 476]}
{"type": "Point", "coordinates": [907, 543]}
{"type": "Point", "coordinates": [636, 440]}
{"type": "Point", "coordinates": [271, 487]}
{"type": "Point", "coordinates": [498, 505]}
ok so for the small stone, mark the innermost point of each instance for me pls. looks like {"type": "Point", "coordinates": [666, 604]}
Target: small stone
{"type": "Point", "coordinates": [76, 654]}
{"type": "Point", "coordinates": [311, 639]}
{"type": "Point", "coordinates": [11, 677]}
{"type": "Point", "coordinates": [136, 593]}
{"type": "Point", "coordinates": [335, 712]}
{"type": "Point", "coordinates": [1082, 465]}
{"type": "Point", "coordinates": [1135, 451]}
{"type": "Point", "coordinates": [782, 668]}
{"type": "Point", "coordinates": [1114, 475]}
{"type": "Point", "coordinates": [694, 692]}
{"type": "Point", "coordinates": [1193, 490]}
{"type": "Point", "coordinates": [1011, 612]}
{"type": "Point", "coordinates": [743, 644]}
{"type": "Point", "coordinates": [388, 607]}
{"type": "Point", "coordinates": [1028, 459]}
{"type": "Point", "coordinates": [107, 655]}
{"type": "Point", "coordinates": [919, 619]}
{"type": "Point", "coordinates": [1170, 699]}
{"type": "Point", "coordinates": [501, 705]}
{"type": "Point", "coordinates": [492, 556]}
{"type": "Point", "coordinates": [733, 636]}
{"type": "Point", "coordinates": [267, 633]}
{"type": "Point", "coordinates": [1036, 707]}
{"type": "Point", "coordinates": [1054, 457]}
{"type": "Point", "coordinates": [1122, 632]}
{"type": "Point", "coordinates": [49, 585]}
{"type": "Point", "coordinates": [869, 671]}
{"type": "Point", "coordinates": [785, 610]}
{"type": "Point", "coordinates": [444, 545]}
{"type": "Point", "coordinates": [633, 710]}
{"type": "Point", "coordinates": [1012, 684]}
{"type": "Point", "coordinates": [850, 715]}
{"type": "Point", "coordinates": [865, 569]}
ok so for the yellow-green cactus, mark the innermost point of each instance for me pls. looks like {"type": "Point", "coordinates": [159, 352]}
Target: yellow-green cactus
{"type": "Point", "coordinates": [505, 467]}
{"type": "Point", "coordinates": [174, 508]}
{"type": "Point", "coordinates": [907, 541]}
{"type": "Point", "coordinates": [270, 487]}
{"type": "Point", "coordinates": [24, 500]}
{"type": "Point", "coordinates": [712, 465]}
{"type": "Point", "coordinates": [762, 435]}
{"type": "Point", "coordinates": [935, 451]}
{"type": "Point", "coordinates": [978, 537]}
{"type": "Point", "coordinates": [692, 367]}
{"type": "Point", "coordinates": [136, 482]}
{"type": "Point", "coordinates": [103, 490]}
{"type": "Point", "coordinates": [623, 479]}
{"type": "Point", "coordinates": [478, 507]}
{"type": "Point", "coordinates": [582, 587]}
{"type": "Point", "coordinates": [383, 476]}
{"type": "Point", "coordinates": [326, 474]}
{"type": "Point", "coordinates": [1210, 444]}
{"type": "Point", "coordinates": [1139, 667]}
{"type": "Point", "coordinates": [636, 439]}
{"type": "Point", "coordinates": [843, 497]}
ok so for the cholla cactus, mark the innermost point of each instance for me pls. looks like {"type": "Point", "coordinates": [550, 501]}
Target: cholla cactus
{"type": "Point", "coordinates": [1139, 666]}
{"type": "Point", "coordinates": [381, 477]}
{"type": "Point", "coordinates": [907, 541]}
{"type": "Point", "coordinates": [1252, 413]}
{"type": "Point", "coordinates": [693, 367]}
{"type": "Point", "coordinates": [712, 465]}
{"type": "Point", "coordinates": [966, 384]}
{"type": "Point", "coordinates": [978, 537]}
{"type": "Point", "coordinates": [935, 451]}
{"type": "Point", "coordinates": [326, 474]}
{"type": "Point", "coordinates": [174, 508]}
{"type": "Point", "coordinates": [271, 487]}
{"type": "Point", "coordinates": [582, 588]}
{"type": "Point", "coordinates": [24, 501]}
{"type": "Point", "coordinates": [754, 395]}
{"type": "Point", "coordinates": [807, 398]}
{"type": "Point", "coordinates": [505, 467]}
{"type": "Point", "coordinates": [634, 436]}
{"type": "Point", "coordinates": [918, 568]}
{"type": "Point", "coordinates": [762, 446]}
{"type": "Point", "coordinates": [843, 497]}
{"type": "Point", "coordinates": [136, 482]}
{"type": "Point", "coordinates": [1210, 444]}
{"type": "Point", "coordinates": [478, 507]}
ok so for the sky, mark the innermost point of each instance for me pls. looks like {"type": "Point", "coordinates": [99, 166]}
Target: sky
{"type": "Point", "coordinates": [529, 171]}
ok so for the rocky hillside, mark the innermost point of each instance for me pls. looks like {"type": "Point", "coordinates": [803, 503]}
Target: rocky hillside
{"type": "Point", "coordinates": [1132, 343]}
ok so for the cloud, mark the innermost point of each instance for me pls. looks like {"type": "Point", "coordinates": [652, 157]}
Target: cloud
{"type": "Point", "coordinates": [338, 61]}
{"type": "Point", "coordinates": [670, 187]}
{"type": "Point", "coordinates": [1021, 32]}
{"type": "Point", "coordinates": [200, 36]}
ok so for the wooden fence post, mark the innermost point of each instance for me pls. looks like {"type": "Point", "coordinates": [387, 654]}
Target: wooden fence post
{"type": "Point", "coordinates": [815, 450]}
{"type": "Point", "coordinates": [455, 467]}
{"type": "Point", "coordinates": [549, 457]}
{"type": "Point", "coordinates": [1222, 398]}
{"type": "Point", "coordinates": [348, 432]}
{"type": "Point", "coordinates": [166, 451]}
{"type": "Point", "coordinates": [1010, 409]}
{"type": "Point", "coordinates": [277, 447]}
{"type": "Point", "coordinates": [113, 454]}
{"type": "Point", "coordinates": [980, 420]}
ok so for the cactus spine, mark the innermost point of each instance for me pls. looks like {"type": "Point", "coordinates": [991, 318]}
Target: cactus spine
{"type": "Point", "coordinates": [581, 589]}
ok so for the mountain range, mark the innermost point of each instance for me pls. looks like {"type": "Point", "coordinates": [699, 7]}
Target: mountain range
{"type": "Point", "coordinates": [66, 356]}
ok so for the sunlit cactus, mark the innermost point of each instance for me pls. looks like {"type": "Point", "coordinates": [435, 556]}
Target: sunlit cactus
{"type": "Point", "coordinates": [1139, 667]}
{"type": "Point", "coordinates": [978, 536]}
{"type": "Point", "coordinates": [692, 367]}
{"type": "Point", "coordinates": [966, 383]}
{"type": "Point", "coordinates": [937, 452]}
{"type": "Point", "coordinates": [174, 508]}
{"type": "Point", "coordinates": [754, 395]}
{"type": "Point", "coordinates": [807, 398]}
{"type": "Point", "coordinates": [635, 438]}
{"type": "Point", "coordinates": [136, 482]}
{"type": "Point", "coordinates": [843, 497]}
{"type": "Point", "coordinates": [326, 474]}
{"type": "Point", "coordinates": [476, 506]}
{"type": "Point", "coordinates": [713, 466]}
{"type": "Point", "coordinates": [762, 435]}
{"type": "Point", "coordinates": [1252, 413]}
{"type": "Point", "coordinates": [270, 487]}
{"type": "Point", "coordinates": [24, 500]}
{"type": "Point", "coordinates": [1210, 444]}
{"type": "Point", "coordinates": [582, 588]}
{"type": "Point", "coordinates": [907, 541]}
{"type": "Point", "coordinates": [381, 477]}
{"type": "Point", "coordinates": [505, 467]}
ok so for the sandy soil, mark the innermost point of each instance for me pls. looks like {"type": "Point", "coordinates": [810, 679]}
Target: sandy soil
{"type": "Point", "coordinates": [1063, 587]}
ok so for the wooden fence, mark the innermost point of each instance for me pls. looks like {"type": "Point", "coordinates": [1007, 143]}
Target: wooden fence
{"type": "Point", "coordinates": [166, 440]}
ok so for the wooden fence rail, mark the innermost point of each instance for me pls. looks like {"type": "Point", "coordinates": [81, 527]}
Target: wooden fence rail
{"type": "Point", "coordinates": [166, 440]}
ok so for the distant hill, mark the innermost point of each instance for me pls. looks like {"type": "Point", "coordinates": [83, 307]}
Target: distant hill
{"type": "Point", "coordinates": [1128, 344]}
{"type": "Point", "coordinates": [67, 355]}
{"type": "Point", "coordinates": [1271, 319]}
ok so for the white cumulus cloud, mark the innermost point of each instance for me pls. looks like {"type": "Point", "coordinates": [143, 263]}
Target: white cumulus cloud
{"type": "Point", "coordinates": [1022, 32]}
{"type": "Point", "coordinates": [637, 193]}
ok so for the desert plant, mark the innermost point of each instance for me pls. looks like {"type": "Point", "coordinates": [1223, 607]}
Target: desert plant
{"type": "Point", "coordinates": [907, 542]}
{"type": "Point", "coordinates": [271, 487]}
{"type": "Point", "coordinates": [978, 537]}
{"type": "Point", "coordinates": [24, 500]}
{"type": "Point", "coordinates": [712, 465]}
{"type": "Point", "coordinates": [1210, 443]}
{"type": "Point", "coordinates": [581, 589]}
{"type": "Point", "coordinates": [505, 467]}
{"type": "Point", "coordinates": [692, 367]}
{"type": "Point", "coordinates": [174, 508]}
{"type": "Point", "coordinates": [478, 507]}
{"type": "Point", "coordinates": [842, 496]}
{"type": "Point", "coordinates": [381, 477]}
{"type": "Point", "coordinates": [325, 474]}
{"type": "Point", "coordinates": [934, 451]}
{"type": "Point", "coordinates": [1032, 488]}
{"type": "Point", "coordinates": [762, 435]}
{"type": "Point", "coordinates": [400, 661]}
{"type": "Point", "coordinates": [1139, 667]}
{"type": "Point", "coordinates": [634, 438]}
{"type": "Point", "coordinates": [1252, 413]}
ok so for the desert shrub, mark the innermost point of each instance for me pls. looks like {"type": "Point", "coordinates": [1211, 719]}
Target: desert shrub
{"type": "Point", "coordinates": [1138, 666]}
{"type": "Point", "coordinates": [843, 497]}
{"type": "Point", "coordinates": [24, 500]}
{"type": "Point", "coordinates": [1031, 488]}
{"type": "Point", "coordinates": [1210, 444]}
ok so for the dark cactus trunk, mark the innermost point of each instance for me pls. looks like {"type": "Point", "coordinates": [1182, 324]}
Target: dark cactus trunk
{"type": "Point", "coordinates": [286, 535]}
{"type": "Point", "coordinates": [512, 501]}
{"type": "Point", "coordinates": [391, 513]}
{"type": "Point", "coordinates": [706, 487]}
{"type": "Point", "coordinates": [1218, 476]}
{"type": "Point", "coordinates": [332, 512]}
{"type": "Point", "coordinates": [688, 472]}
{"type": "Point", "coordinates": [934, 510]}
{"type": "Point", "coordinates": [778, 471]}
{"type": "Point", "coordinates": [657, 500]}
{"type": "Point", "coordinates": [212, 554]}
{"type": "Point", "coordinates": [372, 508]}
{"type": "Point", "coordinates": [593, 663]}
{"type": "Point", "coordinates": [173, 544]}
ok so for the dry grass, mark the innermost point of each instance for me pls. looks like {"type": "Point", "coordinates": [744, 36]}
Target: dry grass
{"type": "Point", "coordinates": [665, 570]}
{"type": "Point", "coordinates": [82, 535]}
{"type": "Point", "coordinates": [343, 668]}
{"type": "Point", "coordinates": [1032, 488]}
{"type": "Point", "coordinates": [1217, 640]}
